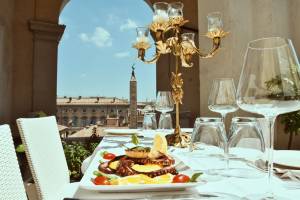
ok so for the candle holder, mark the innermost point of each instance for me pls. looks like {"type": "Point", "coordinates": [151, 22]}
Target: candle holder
{"type": "Point", "coordinates": [167, 21]}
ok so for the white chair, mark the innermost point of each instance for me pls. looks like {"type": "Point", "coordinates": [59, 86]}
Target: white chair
{"type": "Point", "coordinates": [46, 158]}
{"type": "Point", "coordinates": [11, 183]}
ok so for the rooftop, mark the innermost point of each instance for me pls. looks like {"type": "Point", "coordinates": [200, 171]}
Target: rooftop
{"type": "Point", "coordinates": [64, 101]}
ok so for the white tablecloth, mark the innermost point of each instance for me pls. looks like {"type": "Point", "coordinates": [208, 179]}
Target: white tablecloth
{"type": "Point", "coordinates": [240, 187]}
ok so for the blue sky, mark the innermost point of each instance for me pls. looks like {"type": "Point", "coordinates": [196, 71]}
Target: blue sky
{"type": "Point", "coordinates": [95, 53]}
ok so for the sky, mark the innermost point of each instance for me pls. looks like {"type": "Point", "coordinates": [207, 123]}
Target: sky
{"type": "Point", "coordinates": [95, 53]}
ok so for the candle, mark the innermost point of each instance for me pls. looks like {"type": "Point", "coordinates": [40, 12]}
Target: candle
{"type": "Point", "coordinates": [142, 34]}
{"type": "Point", "coordinates": [175, 10]}
{"type": "Point", "coordinates": [160, 16]}
{"type": "Point", "coordinates": [160, 12]}
{"type": "Point", "coordinates": [214, 22]}
{"type": "Point", "coordinates": [188, 40]}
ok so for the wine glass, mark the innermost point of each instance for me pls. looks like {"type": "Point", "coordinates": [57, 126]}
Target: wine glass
{"type": "Point", "coordinates": [222, 97]}
{"type": "Point", "coordinates": [269, 85]}
{"type": "Point", "coordinates": [164, 103]}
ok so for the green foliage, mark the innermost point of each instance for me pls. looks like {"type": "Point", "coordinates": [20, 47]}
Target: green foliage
{"type": "Point", "coordinates": [291, 122]}
{"type": "Point", "coordinates": [75, 154]}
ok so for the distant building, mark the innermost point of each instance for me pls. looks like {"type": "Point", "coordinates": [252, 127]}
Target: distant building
{"type": "Point", "coordinates": [85, 111]}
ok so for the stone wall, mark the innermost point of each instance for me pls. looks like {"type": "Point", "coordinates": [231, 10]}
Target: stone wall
{"type": "Point", "coordinates": [246, 20]}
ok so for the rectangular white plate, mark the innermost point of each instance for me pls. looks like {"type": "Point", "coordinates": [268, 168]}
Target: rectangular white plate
{"type": "Point", "coordinates": [87, 184]}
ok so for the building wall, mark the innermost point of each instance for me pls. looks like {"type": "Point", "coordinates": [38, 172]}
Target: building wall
{"type": "Point", "coordinates": [87, 114]}
{"type": "Point", "coordinates": [246, 20]}
{"type": "Point", "coordinates": [29, 36]}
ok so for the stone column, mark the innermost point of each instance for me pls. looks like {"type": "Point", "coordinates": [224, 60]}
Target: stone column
{"type": "Point", "coordinates": [133, 101]}
{"type": "Point", "coordinates": [46, 38]}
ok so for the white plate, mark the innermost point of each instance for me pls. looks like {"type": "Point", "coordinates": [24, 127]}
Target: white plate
{"type": "Point", "coordinates": [121, 131]}
{"type": "Point", "coordinates": [87, 184]}
{"type": "Point", "coordinates": [287, 158]}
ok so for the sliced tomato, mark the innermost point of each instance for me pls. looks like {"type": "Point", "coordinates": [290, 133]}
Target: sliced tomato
{"type": "Point", "coordinates": [101, 180]}
{"type": "Point", "coordinates": [109, 156]}
{"type": "Point", "coordinates": [181, 178]}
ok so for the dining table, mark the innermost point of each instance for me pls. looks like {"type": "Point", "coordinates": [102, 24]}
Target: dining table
{"type": "Point", "coordinates": [211, 186]}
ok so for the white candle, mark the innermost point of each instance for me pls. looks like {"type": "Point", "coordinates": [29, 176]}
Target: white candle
{"type": "Point", "coordinates": [214, 22]}
{"type": "Point", "coordinates": [160, 16]}
{"type": "Point", "coordinates": [142, 39]}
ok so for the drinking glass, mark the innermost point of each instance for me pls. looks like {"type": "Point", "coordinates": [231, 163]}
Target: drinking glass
{"type": "Point", "coordinates": [246, 144]}
{"type": "Point", "coordinates": [208, 144]}
{"type": "Point", "coordinates": [269, 85]}
{"type": "Point", "coordinates": [222, 97]}
{"type": "Point", "coordinates": [208, 134]}
{"type": "Point", "coordinates": [164, 103]}
{"type": "Point", "coordinates": [149, 122]}
{"type": "Point", "coordinates": [165, 121]}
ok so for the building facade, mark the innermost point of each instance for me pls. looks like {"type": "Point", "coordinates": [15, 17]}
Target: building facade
{"type": "Point", "coordinates": [85, 111]}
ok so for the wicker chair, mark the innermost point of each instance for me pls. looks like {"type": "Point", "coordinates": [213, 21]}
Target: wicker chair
{"type": "Point", "coordinates": [11, 183]}
{"type": "Point", "coordinates": [46, 158]}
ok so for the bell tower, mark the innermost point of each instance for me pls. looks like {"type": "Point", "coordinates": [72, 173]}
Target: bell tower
{"type": "Point", "coordinates": [133, 100]}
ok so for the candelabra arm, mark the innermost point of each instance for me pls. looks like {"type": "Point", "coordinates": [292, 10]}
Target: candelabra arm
{"type": "Point", "coordinates": [213, 51]}
{"type": "Point", "coordinates": [152, 60]}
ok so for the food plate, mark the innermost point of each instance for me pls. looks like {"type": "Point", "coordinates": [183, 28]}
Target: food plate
{"type": "Point", "coordinates": [121, 131]}
{"type": "Point", "coordinates": [87, 184]}
{"type": "Point", "coordinates": [287, 159]}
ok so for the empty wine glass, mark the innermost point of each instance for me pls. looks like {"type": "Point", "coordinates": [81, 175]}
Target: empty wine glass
{"type": "Point", "coordinates": [164, 103]}
{"type": "Point", "coordinates": [269, 85]}
{"type": "Point", "coordinates": [222, 97]}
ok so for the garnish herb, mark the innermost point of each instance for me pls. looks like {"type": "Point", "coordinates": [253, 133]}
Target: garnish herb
{"type": "Point", "coordinates": [135, 139]}
{"type": "Point", "coordinates": [98, 173]}
{"type": "Point", "coordinates": [195, 176]}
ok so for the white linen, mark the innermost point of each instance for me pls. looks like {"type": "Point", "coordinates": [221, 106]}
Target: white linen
{"type": "Point", "coordinates": [238, 186]}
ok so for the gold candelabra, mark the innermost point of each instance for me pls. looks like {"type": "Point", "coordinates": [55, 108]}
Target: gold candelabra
{"type": "Point", "coordinates": [166, 30]}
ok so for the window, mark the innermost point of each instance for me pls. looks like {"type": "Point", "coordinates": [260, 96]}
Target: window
{"type": "Point", "coordinates": [84, 110]}
{"type": "Point", "coordinates": [84, 121]}
{"type": "Point", "coordinates": [93, 120]}
{"type": "Point", "coordinates": [74, 121]}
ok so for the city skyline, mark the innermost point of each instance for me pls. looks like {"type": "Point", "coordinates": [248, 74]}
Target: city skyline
{"type": "Point", "coordinates": [96, 45]}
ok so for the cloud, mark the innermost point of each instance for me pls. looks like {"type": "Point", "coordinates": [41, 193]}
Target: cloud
{"type": "Point", "coordinates": [123, 54]}
{"type": "Point", "coordinates": [129, 24]}
{"type": "Point", "coordinates": [101, 37]}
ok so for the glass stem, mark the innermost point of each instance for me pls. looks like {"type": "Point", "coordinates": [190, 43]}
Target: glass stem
{"type": "Point", "coordinates": [271, 122]}
{"type": "Point", "coordinates": [226, 148]}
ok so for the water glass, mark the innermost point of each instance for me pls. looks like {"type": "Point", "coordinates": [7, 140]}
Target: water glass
{"type": "Point", "coordinates": [149, 122]}
{"type": "Point", "coordinates": [246, 146]}
{"type": "Point", "coordinates": [209, 135]}
{"type": "Point", "coordinates": [165, 121]}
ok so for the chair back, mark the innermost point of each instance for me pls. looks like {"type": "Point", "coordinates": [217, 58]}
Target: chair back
{"type": "Point", "coordinates": [45, 155]}
{"type": "Point", "coordinates": [11, 183]}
